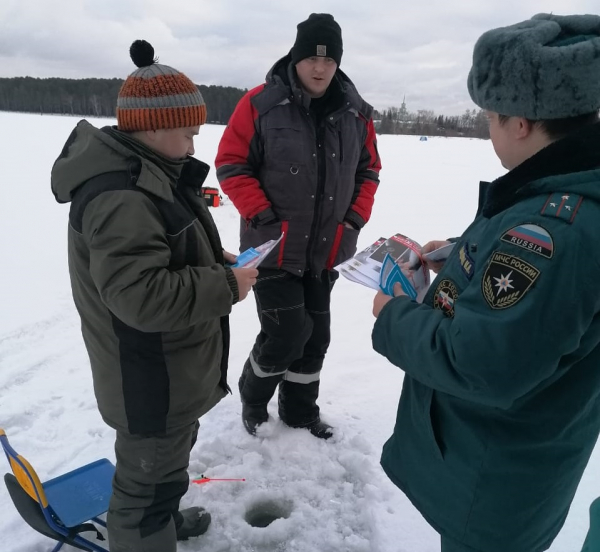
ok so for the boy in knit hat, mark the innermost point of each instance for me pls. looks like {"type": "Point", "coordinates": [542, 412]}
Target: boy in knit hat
{"type": "Point", "coordinates": [298, 158]}
{"type": "Point", "coordinates": [500, 406]}
{"type": "Point", "coordinates": [149, 283]}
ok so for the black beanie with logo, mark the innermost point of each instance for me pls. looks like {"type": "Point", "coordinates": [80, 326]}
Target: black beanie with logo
{"type": "Point", "coordinates": [319, 35]}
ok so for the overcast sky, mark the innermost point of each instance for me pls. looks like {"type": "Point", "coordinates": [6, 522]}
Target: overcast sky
{"type": "Point", "coordinates": [420, 49]}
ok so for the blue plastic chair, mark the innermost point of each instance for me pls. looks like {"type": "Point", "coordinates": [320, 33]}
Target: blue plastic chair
{"type": "Point", "coordinates": [61, 508]}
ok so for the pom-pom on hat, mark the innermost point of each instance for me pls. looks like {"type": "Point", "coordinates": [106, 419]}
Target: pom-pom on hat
{"type": "Point", "coordinates": [319, 35]}
{"type": "Point", "coordinates": [547, 67]}
{"type": "Point", "coordinates": [157, 96]}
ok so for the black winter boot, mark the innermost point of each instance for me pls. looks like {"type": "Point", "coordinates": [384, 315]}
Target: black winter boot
{"type": "Point", "coordinates": [321, 430]}
{"type": "Point", "coordinates": [298, 403]}
{"type": "Point", "coordinates": [253, 416]}
{"type": "Point", "coordinates": [256, 393]}
{"type": "Point", "coordinates": [298, 408]}
{"type": "Point", "coordinates": [191, 522]}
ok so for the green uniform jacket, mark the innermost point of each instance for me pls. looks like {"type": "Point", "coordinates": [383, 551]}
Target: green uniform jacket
{"type": "Point", "coordinates": [148, 280]}
{"type": "Point", "coordinates": [500, 406]}
{"type": "Point", "coordinates": [592, 541]}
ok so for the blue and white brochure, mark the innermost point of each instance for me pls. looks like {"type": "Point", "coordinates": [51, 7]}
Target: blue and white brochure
{"type": "Point", "coordinates": [391, 274]}
{"type": "Point", "coordinates": [253, 256]}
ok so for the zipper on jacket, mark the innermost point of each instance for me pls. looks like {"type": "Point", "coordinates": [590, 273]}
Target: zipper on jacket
{"type": "Point", "coordinates": [133, 170]}
{"type": "Point", "coordinates": [321, 170]}
{"type": "Point", "coordinates": [341, 145]}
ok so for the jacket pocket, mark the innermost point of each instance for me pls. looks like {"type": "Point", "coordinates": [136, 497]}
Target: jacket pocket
{"type": "Point", "coordinates": [253, 236]}
{"type": "Point", "coordinates": [284, 230]}
{"type": "Point", "coordinates": [284, 143]}
{"type": "Point", "coordinates": [344, 245]}
{"type": "Point", "coordinates": [429, 417]}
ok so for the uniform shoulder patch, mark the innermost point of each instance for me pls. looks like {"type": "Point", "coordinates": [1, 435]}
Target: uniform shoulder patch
{"type": "Point", "coordinates": [445, 297]}
{"type": "Point", "coordinates": [506, 280]}
{"type": "Point", "coordinates": [466, 262]}
{"type": "Point", "coordinates": [562, 206]}
{"type": "Point", "coordinates": [531, 237]}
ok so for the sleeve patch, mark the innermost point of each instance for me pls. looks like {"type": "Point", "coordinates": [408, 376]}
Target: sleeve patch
{"type": "Point", "coordinates": [445, 297]}
{"type": "Point", "coordinates": [531, 237]}
{"type": "Point", "coordinates": [506, 280]}
{"type": "Point", "coordinates": [466, 262]}
{"type": "Point", "coordinates": [562, 206]}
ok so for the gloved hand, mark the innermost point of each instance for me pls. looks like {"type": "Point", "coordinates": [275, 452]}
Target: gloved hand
{"type": "Point", "coordinates": [265, 217]}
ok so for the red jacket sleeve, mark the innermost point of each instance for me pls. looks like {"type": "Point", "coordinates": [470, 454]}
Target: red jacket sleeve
{"type": "Point", "coordinates": [367, 179]}
{"type": "Point", "coordinates": [238, 159]}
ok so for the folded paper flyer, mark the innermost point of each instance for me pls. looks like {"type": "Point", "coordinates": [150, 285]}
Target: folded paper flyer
{"type": "Point", "coordinates": [397, 259]}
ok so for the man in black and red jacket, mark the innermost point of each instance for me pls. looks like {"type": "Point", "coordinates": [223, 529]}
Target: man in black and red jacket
{"type": "Point", "coordinates": [298, 158]}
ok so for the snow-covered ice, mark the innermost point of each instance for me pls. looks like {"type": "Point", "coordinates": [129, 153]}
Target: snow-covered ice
{"type": "Point", "coordinates": [331, 496]}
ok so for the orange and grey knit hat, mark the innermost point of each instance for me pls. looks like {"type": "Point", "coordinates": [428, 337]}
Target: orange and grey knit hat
{"type": "Point", "coordinates": [157, 96]}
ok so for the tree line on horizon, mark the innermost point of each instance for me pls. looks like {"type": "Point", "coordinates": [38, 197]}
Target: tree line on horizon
{"type": "Point", "coordinates": [98, 98]}
{"type": "Point", "coordinates": [95, 97]}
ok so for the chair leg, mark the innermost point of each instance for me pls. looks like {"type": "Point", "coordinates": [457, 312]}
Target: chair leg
{"type": "Point", "coordinates": [99, 521]}
{"type": "Point", "coordinates": [57, 547]}
{"type": "Point", "coordinates": [79, 540]}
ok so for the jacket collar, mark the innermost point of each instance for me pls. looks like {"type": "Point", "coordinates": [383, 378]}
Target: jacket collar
{"type": "Point", "coordinates": [577, 152]}
{"type": "Point", "coordinates": [157, 174]}
{"type": "Point", "coordinates": [193, 174]}
{"type": "Point", "coordinates": [282, 87]}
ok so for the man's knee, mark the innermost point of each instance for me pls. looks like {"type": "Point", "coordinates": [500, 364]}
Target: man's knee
{"type": "Point", "coordinates": [284, 341]}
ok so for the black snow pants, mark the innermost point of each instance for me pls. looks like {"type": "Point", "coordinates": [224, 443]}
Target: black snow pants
{"type": "Point", "coordinates": [292, 343]}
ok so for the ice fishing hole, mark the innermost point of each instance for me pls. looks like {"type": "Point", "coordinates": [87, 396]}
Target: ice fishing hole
{"type": "Point", "coordinates": [265, 512]}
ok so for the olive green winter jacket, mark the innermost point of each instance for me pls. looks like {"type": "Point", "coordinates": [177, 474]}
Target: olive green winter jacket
{"type": "Point", "coordinates": [500, 406]}
{"type": "Point", "coordinates": [148, 280]}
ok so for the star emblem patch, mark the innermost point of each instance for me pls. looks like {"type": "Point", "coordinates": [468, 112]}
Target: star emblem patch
{"type": "Point", "coordinates": [506, 280]}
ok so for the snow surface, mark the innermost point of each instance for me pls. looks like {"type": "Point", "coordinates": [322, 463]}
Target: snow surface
{"type": "Point", "coordinates": [334, 493]}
